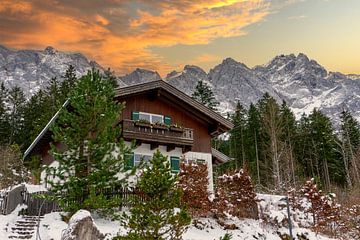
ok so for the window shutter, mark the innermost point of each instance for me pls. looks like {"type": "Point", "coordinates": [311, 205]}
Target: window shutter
{"type": "Point", "coordinates": [129, 161]}
{"type": "Point", "coordinates": [167, 120]}
{"type": "Point", "coordinates": [175, 164]}
{"type": "Point", "coordinates": [135, 116]}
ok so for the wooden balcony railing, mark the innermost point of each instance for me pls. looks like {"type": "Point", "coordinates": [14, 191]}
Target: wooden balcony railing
{"type": "Point", "coordinates": [153, 134]}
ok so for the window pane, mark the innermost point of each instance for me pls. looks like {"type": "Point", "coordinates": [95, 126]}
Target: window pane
{"type": "Point", "coordinates": [137, 159]}
{"type": "Point", "coordinates": [175, 164]}
{"type": "Point", "coordinates": [144, 116]}
{"type": "Point", "coordinates": [129, 161]}
{"type": "Point", "coordinates": [156, 118]}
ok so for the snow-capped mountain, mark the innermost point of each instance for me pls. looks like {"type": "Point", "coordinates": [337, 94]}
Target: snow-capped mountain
{"type": "Point", "coordinates": [301, 82]}
{"type": "Point", "coordinates": [139, 76]}
{"type": "Point", "coordinates": [32, 69]}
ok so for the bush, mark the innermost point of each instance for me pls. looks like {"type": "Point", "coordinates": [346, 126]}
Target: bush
{"type": "Point", "coordinates": [193, 180]}
{"type": "Point", "coordinates": [235, 195]}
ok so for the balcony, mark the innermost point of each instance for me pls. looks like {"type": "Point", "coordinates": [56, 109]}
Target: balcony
{"type": "Point", "coordinates": [157, 134]}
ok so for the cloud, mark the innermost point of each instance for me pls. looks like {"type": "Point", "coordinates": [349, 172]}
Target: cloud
{"type": "Point", "coordinates": [120, 33]}
{"type": "Point", "coordinates": [300, 17]}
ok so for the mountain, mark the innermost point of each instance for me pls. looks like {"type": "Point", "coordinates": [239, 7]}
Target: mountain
{"type": "Point", "coordinates": [303, 83]}
{"type": "Point", "coordinates": [32, 69]}
{"type": "Point", "coordinates": [139, 76]}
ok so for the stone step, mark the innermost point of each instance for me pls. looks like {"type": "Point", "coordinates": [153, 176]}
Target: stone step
{"type": "Point", "coordinates": [25, 223]}
{"type": "Point", "coordinates": [22, 228]}
{"type": "Point", "coordinates": [20, 237]}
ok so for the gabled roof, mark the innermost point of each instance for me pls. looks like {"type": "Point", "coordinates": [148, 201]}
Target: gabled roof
{"type": "Point", "coordinates": [166, 89]}
{"type": "Point", "coordinates": [44, 134]}
{"type": "Point", "coordinates": [185, 100]}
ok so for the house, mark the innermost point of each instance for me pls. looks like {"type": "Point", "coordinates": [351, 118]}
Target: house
{"type": "Point", "coordinates": [159, 116]}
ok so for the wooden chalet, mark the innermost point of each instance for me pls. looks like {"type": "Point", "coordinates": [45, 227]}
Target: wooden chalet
{"type": "Point", "coordinates": [159, 116]}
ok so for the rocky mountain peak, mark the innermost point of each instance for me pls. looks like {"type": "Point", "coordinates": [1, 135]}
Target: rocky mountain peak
{"type": "Point", "coordinates": [50, 50]}
{"type": "Point", "coordinates": [140, 75]}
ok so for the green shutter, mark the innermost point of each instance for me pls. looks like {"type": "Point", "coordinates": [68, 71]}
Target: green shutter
{"type": "Point", "coordinates": [129, 161]}
{"type": "Point", "coordinates": [175, 164]}
{"type": "Point", "coordinates": [135, 116]}
{"type": "Point", "coordinates": [167, 120]}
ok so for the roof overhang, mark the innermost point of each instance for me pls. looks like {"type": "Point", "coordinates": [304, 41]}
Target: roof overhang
{"type": "Point", "coordinates": [218, 122]}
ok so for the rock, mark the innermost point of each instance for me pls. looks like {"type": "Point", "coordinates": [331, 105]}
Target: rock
{"type": "Point", "coordinates": [82, 227]}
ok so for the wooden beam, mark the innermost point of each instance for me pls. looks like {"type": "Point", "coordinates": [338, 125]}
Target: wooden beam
{"type": "Point", "coordinates": [186, 149]}
{"type": "Point", "coordinates": [170, 147]}
{"type": "Point", "coordinates": [154, 146]}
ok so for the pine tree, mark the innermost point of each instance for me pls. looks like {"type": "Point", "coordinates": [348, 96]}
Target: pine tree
{"type": "Point", "coordinates": [326, 155]}
{"type": "Point", "coordinates": [205, 95]}
{"type": "Point", "coordinates": [16, 102]}
{"type": "Point", "coordinates": [109, 75]}
{"type": "Point", "coordinates": [89, 130]}
{"type": "Point", "coordinates": [68, 83]}
{"type": "Point", "coordinates": [156, 217]}
{"type": "Point", "coordinates": [237, 137]}
{"type": "Point", "coordinates": [252, 141]}
{"type": "Point", "coordinates": [4, 123]}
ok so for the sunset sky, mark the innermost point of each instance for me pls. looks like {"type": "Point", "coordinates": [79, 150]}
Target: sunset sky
{"type": "Point", "coordinates": [164, 35]}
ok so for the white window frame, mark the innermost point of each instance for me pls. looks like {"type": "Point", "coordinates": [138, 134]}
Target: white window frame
{"type": "Point", "coordinates": [151, 116]}
{"type": "Point", "coordinates": [136, 163]}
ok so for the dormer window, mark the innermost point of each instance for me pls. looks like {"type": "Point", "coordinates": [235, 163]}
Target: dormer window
{"type": "Point", "coordinates": [151, 117]}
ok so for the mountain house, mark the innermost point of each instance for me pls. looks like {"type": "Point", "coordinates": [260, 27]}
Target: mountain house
{"type": "Point", "coordinates": [159, 116]}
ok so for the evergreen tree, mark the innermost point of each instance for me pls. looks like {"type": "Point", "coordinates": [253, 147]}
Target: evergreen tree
{"type": "Point", "coordinates": [109, 75]}
{"type": "Point", "coordinates": [4, 124]}
{"type": "Point", "coordinates": [157, 218]}
{"type": "Point", "coordinates": [205, 95]}
{"type": "Point", "coordinates": [328, 162]}
{"type": "Point", "coordinates": [303, 150]}
{"type": "Point", "coordinates": [89, 130]}
{"type": "Point", "coordinates": [252, 141]}
{"type": "Point", "coordinates": [16, 102]}
{"type": "Point", "coordinates": [237, 138]}
{"type": "Point", "coordinates": [68, 83]}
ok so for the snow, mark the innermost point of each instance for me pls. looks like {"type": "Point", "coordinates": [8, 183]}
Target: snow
{"type": "Point", "coordinates": [271, 207]}
{"type": "Point", "coordinates": [35, 188]}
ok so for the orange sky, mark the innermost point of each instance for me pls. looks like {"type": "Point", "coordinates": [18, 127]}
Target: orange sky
{"type": "Point", "coordinates": [122, 34]}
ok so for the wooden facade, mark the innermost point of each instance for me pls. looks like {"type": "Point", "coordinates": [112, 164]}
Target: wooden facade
{"type": "Point", "coordinates": [200, 140]}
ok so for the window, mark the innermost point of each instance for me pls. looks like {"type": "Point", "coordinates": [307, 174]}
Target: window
{"type": "Point", "coordinates": [153, 118]}
{"type": "Point", "coordinates": [139, 157]}
{"type": "Point", "coordinates": [129, 161]}
{"type": "Point", "coordinates": [175, 164]}
{"type": "Point", "coordinates": [201, 161]}
{"type": "Point", "coordinates": [134, 159]}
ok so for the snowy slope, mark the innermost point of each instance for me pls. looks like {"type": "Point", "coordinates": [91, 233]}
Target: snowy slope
{"type": "Point", "coordinates": [271, 206]}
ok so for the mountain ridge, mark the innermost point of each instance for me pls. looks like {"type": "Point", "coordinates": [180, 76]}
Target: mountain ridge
{"type": "Point", "coordinates": [302, 82]}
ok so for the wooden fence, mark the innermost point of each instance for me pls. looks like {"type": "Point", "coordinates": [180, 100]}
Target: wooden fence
{"type": "Point", "coordinates": [11, 199]}
{"type": "Point", "coordinates": [38, 205]}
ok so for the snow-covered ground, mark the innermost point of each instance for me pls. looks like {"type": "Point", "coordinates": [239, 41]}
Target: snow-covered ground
{"type": "Point", "coordinates": [271, 207]}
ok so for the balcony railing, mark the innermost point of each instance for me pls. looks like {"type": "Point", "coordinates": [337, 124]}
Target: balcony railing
{"type": "Point", "coordinates": [157, 134]}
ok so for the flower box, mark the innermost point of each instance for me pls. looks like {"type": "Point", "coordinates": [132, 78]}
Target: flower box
{"type": "Point", "coordinates": [176, 129]}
